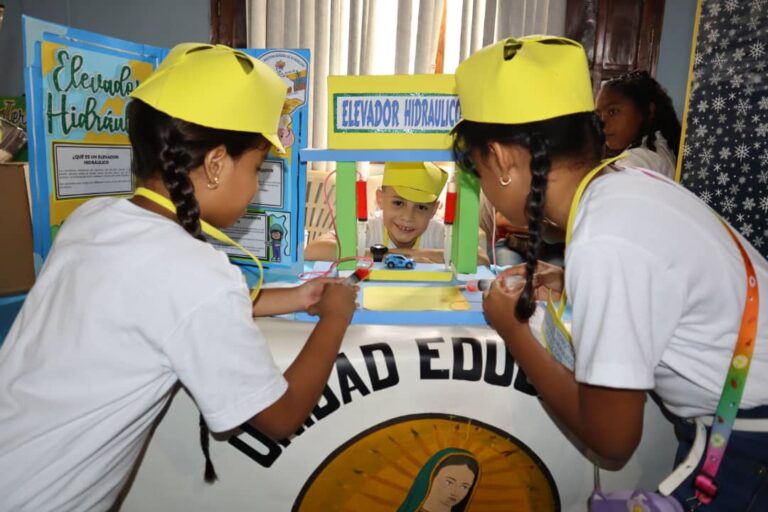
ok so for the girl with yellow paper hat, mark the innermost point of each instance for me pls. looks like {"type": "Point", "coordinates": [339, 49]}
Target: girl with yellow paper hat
{"type": "Point", "coordinates": [132, 300]}
{"type": "Point", "coordinates": [657, 289]}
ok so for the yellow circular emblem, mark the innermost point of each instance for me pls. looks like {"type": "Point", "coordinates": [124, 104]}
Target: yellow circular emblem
{"type": "Point", "coordinates": [430, 462]}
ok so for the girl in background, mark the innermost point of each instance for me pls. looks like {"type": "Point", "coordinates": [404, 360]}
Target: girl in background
{"type": "Point", "coordinates": [639, 119]}
{"type": "Point", "coordinates": [132, 300]}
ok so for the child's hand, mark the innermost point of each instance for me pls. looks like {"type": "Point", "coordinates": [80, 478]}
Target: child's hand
{"type": "Point", "coordinates": [310, 292]}
{"type": "Point", "coordinates": [546, 278]}
{"type": "Point", "coordinates": [338, 300]}
{"type": "Point", "coordinates": [499, 304]}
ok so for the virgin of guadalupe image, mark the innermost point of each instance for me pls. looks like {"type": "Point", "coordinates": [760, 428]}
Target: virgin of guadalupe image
{"type": "Point", "coordinates": [445, 483]}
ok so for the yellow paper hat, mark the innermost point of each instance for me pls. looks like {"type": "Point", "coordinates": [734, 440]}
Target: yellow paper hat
{"type": "Point", "coordinates": [524, 80]}
{"type": "Point", "coordinates": [217, 87]}
{"type": "Point", "coordinates": [420, 182]}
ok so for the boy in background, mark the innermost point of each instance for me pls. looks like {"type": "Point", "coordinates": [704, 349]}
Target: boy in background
{"type": "Point", "coordinates": [405, 223]}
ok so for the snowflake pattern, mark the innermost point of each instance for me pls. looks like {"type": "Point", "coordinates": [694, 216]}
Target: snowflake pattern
{"type": "Point", "coordinates": [728, 204]}
{"type": "Point", "coordinates": [725, 155]}
{"type": "Point", "coordinates": [742, 107]}
{"type": "Point", "coordinates": [757, 50]}
{"type": "Point", "coordinates": [719, 103]}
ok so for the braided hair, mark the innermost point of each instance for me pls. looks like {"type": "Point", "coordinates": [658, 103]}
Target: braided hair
{"type": "Point", "coordinates": [643, 90]}
{"type": "Point", "coordinates": [574, 135]}
{"type": "Point", "coordinates": [171, 147]}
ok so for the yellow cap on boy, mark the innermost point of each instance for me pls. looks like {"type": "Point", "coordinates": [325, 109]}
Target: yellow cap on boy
{"type": "Point", "coordinates": [217, 87]}
{"type": "Point", "coordinates": [523, 80]}
{"type": "Point", "coordinates": [420, 182]}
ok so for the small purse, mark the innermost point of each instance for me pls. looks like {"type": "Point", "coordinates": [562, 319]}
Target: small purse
{"type": "Point", "coordinates": [727, 408]}
{"type": "Point", "coordinates": [634, 501]}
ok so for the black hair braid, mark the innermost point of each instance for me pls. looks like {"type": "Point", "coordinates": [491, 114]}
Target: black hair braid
{"type": "Point", "coordinates": [175, 173]}
{"type": "Point", "coordinates": [210, 475]}
{"type": "Point", "coordinates": [665, 120]}
{"type": "Point", "coordinates": [169, 147]}
{"type": "Point", "coordinates": [540, 164]}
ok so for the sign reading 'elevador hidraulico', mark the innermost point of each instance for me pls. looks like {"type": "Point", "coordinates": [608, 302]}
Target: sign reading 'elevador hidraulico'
{"type": "Point", "coordinates": [391, 112]}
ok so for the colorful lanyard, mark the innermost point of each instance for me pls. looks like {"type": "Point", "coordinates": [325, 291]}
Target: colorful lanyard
{"type": "Point", "coordinates": [208, 230]}
{"type": "Point", "coordinates": [733, 388]}
{"type": "Point", "coordinates": [735, 381]}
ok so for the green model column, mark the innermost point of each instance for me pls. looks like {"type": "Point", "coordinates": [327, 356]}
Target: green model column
{"type": "Point", "coordinates": [465, 232]}
{"type": "Point", "coordinates": [346, 214]}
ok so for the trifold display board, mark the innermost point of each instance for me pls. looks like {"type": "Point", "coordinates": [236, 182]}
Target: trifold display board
{"type": "Point", "coordinates": [77, 85]}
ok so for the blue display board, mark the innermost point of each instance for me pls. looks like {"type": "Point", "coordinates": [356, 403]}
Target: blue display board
{"type": "Point", "coordinates": [278, 209]}
{"type": "Point", "coordinates": [78, 85]}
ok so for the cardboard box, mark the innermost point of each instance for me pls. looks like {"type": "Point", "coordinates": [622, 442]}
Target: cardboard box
{"type": "Point", "coordinates": [17, 270]}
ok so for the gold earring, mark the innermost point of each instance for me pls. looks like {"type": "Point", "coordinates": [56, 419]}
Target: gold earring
{"type": "Point", "coordinates": [213, 185]}
{"type": "Point", "coordinates": [505, 181]}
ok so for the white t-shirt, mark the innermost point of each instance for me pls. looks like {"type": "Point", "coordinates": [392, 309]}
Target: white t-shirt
{"type": "Point", "coordinates": [662, 160]}
{"type": "Point", "coordinates": [432, 238]}
{"type": "Point", "coordinates": [657, 289]}
{"type": "Point", "coordinates": [127, 305]}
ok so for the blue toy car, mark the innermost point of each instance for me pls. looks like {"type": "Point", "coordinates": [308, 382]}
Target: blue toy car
{"type": "Point", "coordinates": [398, 261]}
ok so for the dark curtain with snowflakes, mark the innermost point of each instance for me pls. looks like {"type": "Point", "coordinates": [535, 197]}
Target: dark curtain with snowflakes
{"type": "Point", "coordinates": [725, 157]}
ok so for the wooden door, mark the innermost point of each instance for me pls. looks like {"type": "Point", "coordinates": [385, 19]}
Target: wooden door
{"type": "Point", "coordinates": [618, 35]}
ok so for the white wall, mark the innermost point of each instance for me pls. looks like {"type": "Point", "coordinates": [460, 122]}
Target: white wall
{"type": "Point", "coordinates": [675, 49]}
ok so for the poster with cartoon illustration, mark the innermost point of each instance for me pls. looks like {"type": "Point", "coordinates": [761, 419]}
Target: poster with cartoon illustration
{"type": "Point", "coordinates": [282, 181]}
{"type": "Point", "coordinates": [79, 147]}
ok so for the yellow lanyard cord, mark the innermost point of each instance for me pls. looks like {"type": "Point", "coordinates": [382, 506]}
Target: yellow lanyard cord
{"type": "Point", "coordinates": [586, 180]}
{"type": "Point", "coordinates": [208, 230]}
{"type": "Point", "coordinates": [386, 241]}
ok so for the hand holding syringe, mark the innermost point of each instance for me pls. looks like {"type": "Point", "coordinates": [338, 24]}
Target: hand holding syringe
{"type": "Point", "coordinates": [482, 285]}
{"type": "Point", "coordinates": [548, 280]}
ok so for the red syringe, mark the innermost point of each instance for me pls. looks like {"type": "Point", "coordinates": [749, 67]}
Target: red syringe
{"type": "Point", "coordinates": [449, 217]}
{"type": "Point", "coordinates": [361, 196]}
